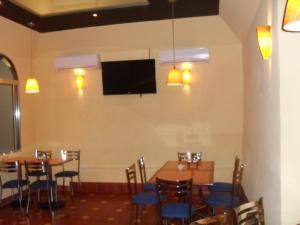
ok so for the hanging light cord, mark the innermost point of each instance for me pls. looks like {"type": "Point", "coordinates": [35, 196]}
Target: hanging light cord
{"type": "Point", "coordinates": [173, 33]}
{"type": "Point", "coordinates": [31, 24]}
{"type": "Point", "coordinates": [31, 51]}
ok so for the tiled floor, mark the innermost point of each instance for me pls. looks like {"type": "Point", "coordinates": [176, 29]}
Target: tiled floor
{"type": "Point", "coordinates": [85, 209]}
{"type": "Point", "coordinates": [82, 209]}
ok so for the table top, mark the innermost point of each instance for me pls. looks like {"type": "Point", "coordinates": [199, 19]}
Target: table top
{"type": "Point", "coordinates": [202, 174]}
{"type": "Point", "coordinates": [51, 162]}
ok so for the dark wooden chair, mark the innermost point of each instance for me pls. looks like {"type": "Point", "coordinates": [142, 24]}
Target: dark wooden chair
{"type": "Point", "coordinates": [250, 213]}
{"type": "Point", "coordinates": [227, 200]}
{"type": "Point", "coordinates": [215, 220]}
{"type": "Point", "coordinates": [175, 200]}
{"type": "Point", "coordinates": [138, 199]}
{"type": "Point", "coordinates": [223, 186]}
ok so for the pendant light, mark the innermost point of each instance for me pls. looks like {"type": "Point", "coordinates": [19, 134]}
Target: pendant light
{"type": "Point", "coordinates": [32, 86]}
{"type": "Point", "coordinates": [291, 20]}
{"type": "Point", "coordinates": [174, 76]}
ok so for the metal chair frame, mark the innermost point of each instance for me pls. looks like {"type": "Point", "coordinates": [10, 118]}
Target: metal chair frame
{"type": "Point", "coordinates": [43, 155]}
{"type": "Point", "coordinates": [12, 167]}
{"type": "Point", "coordinates": [37, 170]}
{"type": "Point", "coordinates": [73, 155]}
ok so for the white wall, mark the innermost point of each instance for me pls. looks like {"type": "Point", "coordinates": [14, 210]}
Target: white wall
{"type": "Point", "coordinates": [261, 150]}
{"type": "Point", "coordinates": [289, 46]}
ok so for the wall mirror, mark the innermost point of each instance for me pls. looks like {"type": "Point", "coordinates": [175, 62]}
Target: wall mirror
{"type": "Point", "coordinates": [9, 107]}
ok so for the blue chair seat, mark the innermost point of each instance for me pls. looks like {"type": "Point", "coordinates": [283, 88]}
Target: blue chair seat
{"type": "Point", "coordinates": [67, 174]}
{"type": "Point", "coordinates": [222, 199]}
{"type": "Point", "coordinates": [221, 187]}
{"type": "Point", "coordinates": [145, 198]}
{"type": "Point", "coordinates": [176, 210]}
{"type": "Point", "coordinates": [14, 184]}
{"type": "Point", "coordinates": [149, 187]}
{"type": "Point", "coordinates": [42, 184]}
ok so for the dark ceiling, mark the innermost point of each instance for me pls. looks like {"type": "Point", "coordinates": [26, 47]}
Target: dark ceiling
{"type": "Point", "coordinates": [157, 10]}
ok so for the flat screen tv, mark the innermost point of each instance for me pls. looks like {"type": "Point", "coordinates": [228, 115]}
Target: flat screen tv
{"type": "Point", "coordinates": [129, 77]}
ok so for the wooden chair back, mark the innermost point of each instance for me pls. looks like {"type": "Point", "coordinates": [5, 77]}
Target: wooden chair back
{"type": "Point", "coordinates": [215, 220]}
{"type": "Point", "coordinates": [251, 213]}
{"type": "Point", "coordinates": [174, 191]}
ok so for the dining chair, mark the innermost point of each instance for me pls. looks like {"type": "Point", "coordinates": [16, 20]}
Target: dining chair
{"type": "Point", "coordinates": [175, 200]}
{"type": "Point", "coordinates": [142, 168]}
{"type": "Point", "coordinates": [250, 213]}
{"type": "Point", "coordinates": [227, 200]}
{"type": "Point", "coordinates": [39, 154]}
{"type": "Point", "coordinates": [17, 183]}
{"type": "Point", "coordinates": [138, 199]}
{"type": "Point", "coordinates": [221, 219]}
{"type": "Point", "coordinates": [191, 158]}
{"type": "Point", "coordinates": [223, 186]}
{"type": "Point", "coordinates": [73, 156]}
{"type": "Point", "coordinates": [38, 170]}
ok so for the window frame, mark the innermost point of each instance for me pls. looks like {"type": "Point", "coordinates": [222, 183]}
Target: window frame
{"type": "Point", "coordinates": [16, 104]}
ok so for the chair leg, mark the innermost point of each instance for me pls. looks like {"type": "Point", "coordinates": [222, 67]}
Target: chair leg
{"type": "Point", "coordinates": [0, 194]}
{"type": "Point", "coordinates": [71, 186]}
{"type": "Point", "coordinates": [50, 198]}
{"type": "Point", "coordinates": [20, 197]}
{"type": "Point", "coordinates": [28, 200]}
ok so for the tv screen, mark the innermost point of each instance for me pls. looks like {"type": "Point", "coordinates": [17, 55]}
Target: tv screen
{"type": "Point", "coordinates": [129, 77]}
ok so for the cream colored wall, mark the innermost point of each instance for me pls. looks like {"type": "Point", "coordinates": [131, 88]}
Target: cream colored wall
{"type": "Point", "coordinates": [261, 149]}
{"type": "Point", "coordinates": [290, 123]}
{"type": "Point", "coordinates": [113, 131]}
{"type": "Point", "coordinates": [14, 43]}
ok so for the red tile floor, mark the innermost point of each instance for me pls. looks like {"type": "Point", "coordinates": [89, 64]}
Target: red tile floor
{"type": "Point", "coordinates": [82, 209]}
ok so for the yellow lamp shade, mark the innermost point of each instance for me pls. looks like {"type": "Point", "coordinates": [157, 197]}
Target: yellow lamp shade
{"type": "Point", "coordinates": [264, 41]}
{"type": "Point", "coordinates": [80, 82]}
{"type": "Point", "coordinates": [174, 77]}
{"type": "Point", "coordinates": [291, 20]}
{"type": "Point", "coordinates": [32, 86]}
{"type": "Point", "coordinates": [186, 76]}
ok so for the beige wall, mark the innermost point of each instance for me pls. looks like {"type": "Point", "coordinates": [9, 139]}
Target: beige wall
{"type": "Point", "coordinates": [14, 43]}
{"type": "Point", "coordinates": [113, 131]}
{"type": "Point", "coordinates": [261, 151]}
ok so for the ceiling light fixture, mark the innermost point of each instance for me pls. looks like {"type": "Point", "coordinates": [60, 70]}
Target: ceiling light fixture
{"type": "Point", "coordinates": [291, 20]}
{"type": "Point", "coordinates": [95, 15]}
{"type": "Point", "coordinates": [174, 76]}
{"type": "Point", "coordinates": [32, 85]}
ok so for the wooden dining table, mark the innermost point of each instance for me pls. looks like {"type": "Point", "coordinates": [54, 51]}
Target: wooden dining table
{"type": "Point", "coordinates": [202, 172]}
{"type": "Point", "coordinates": [51, 162]}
